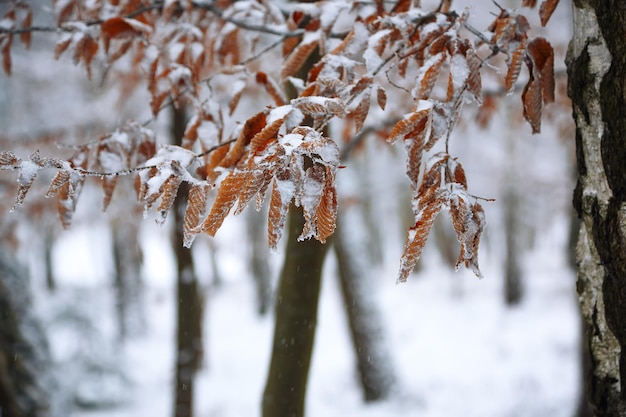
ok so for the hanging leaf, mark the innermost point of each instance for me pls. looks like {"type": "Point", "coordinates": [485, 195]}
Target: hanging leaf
{"type": "Point", "coordinates": [546, 9]}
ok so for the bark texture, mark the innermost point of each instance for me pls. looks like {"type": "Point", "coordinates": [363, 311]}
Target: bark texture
{"type": "Point", "coordinates": [296, 320]}
{"type": "Point", "coordinates": [597, 87]}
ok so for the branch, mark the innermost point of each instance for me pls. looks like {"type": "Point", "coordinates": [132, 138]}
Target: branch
{"type": "Point", "coordinates": [210, 6]}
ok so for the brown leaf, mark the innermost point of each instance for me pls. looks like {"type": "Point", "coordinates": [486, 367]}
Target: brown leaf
{"type": "Point", "coordinates": [251, 127]}
{"type": "Point", "coordinates": [226, 197]}
{"type": "Point", "coordinates": [326, 212]}
{"type": "Point", "coordinates": [108, 186]}
{"type": "Point", "coordinates": [402, 6]}
{"type": "Point", "coordinates": [546, 9]}
{"type": "Point", "coordinates": [297, 58]}
{"type": "Point", "coordinates": [542, 55]}
{"type": "Point", "coordinates": [515, 67]}
{"type": "Point", "coordinates": [266, 135]}
{"type": "Point", "coordinates": [360, 113]}
{"type": "Point", "coordinates": [8, 158]}
{"type": "Point", "coordinates": [418, 234]}
{"type": "Point", "coordinates": [529, 3]}
{"type": "Point", "coordinates": [27, 22]}
{"type": "Point", "coordinates": [6, 53]}
{"type": "Point", "coordinates": [408, 125]}
{"type": "Point", "coordinates": [59, 180]}
{"type": "Point", "coordinates": [381, 97]}
{"type": "Point", "coordinates": [532, 100]}
{"type": "Point", "coordinates": [276, 216]}
{"type": "Point", "coordinates": [61, 46]}
{"type": "Point", "coordinates": [428, 77]}
{"type": "Point", "coordinates": [196, 206]}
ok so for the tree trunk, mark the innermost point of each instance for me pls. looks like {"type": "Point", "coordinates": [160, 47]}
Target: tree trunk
{"type": "Point", "coordinates": [513, 288]}
{"type": "Point", "coordinates": [296, 319]}
{"type": "Point", "coordinates": [597, 83]}
{"type": "Point", "coordinates": [22, 362]}
{"type": "Point", "coordinates": [259, 261]}
{"type": "Point", "coordinates": [188, 300]}
{"type": "Point", "coordinates": [366, 329]}
{"type": "Point", "coordinates": [127, 257]}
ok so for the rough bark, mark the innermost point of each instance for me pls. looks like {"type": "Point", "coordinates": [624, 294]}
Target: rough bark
{"type": "Point", "coordinates": [366, 328]}
{"type": "Point", "coordinates": [296, 320]}
{"type": "Point", "coordinates": [597, 87]}
{"type": "Point", "coordinates": [188, 300]}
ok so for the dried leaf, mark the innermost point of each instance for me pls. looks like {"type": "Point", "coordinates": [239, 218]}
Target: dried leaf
{"type": "Point", "coordinates": [408, 125]}
{"type": "Point", "coordinates": [427, 76]}
{"type": "Point", "coordinates": [251, 127]}
{"type": "Point", "coordinates": [6, 53]}
{"type": "Point", "coordinates": [360, 112]}
{"type": "Point", "coordinates": [226, 197]}
{"type": "Point", "coordinates": [381, 97]}
{"type": "Point", "coordinates": [326, 212]}
{"type": "Point", "coordinates": [168, 193]}
{"type": "Point", "coordinates": [546, 9]}
{"type": "Point", "coordinates": [27, 22]}
{"type": "Point", "coordinates": [196, 206]}
{"type": "Point", "coordinates": [61, 46]}
{"type": "Point", "coordinates": [279, 205]}
{"type": "Point", "coordinates": [532, 100]}
{"type": "Point", "coordinates": [418, 234]}
{"type": "Point", "coordinates": [542, 55]}
{"type": "Point", "coordinates": [59, 180]}
{"type": "Point", "coordinates": [108, 186]}
{"type": "Point", "coordinates": [529, 3]}
{"type": "Point", "coordinates": [9, 159]}
{"type": "Point", "coordinates": [262, 138]}
{"type": "Point", "coordinates": [515, 67]}
{"type": "Point", "coordinates": [297, 58]}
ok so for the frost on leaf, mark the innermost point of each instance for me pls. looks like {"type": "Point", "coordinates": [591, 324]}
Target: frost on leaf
{"type": "Point", "coordinates": [168, 168]}
{"type": "Point", "coordinates": [444, 185]}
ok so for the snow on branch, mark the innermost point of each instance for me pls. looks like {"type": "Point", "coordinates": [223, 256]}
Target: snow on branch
{"type": "Point", "coordinates": [401, 72]}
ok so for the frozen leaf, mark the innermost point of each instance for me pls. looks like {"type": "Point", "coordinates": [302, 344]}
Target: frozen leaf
{"type": "Point", "coordinates": [297, 58]}
{"type": "Point", "coordinates": [418, 234]}
{"type": "Point", "coordinates": [196, 206]}
{"type": "Point", "coordinates": [227, 194]}
{"type": "Point", "coordinates": [515, 66]}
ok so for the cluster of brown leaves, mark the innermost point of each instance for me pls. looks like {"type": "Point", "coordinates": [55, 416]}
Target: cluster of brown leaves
{"type": "Point", "coordinates": [337, 71]}
{"type": "Point", "coordinates": [107, 158]}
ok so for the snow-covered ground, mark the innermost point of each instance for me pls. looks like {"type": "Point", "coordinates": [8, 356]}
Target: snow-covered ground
{"type": "Point", "coordinates": [458, 350]}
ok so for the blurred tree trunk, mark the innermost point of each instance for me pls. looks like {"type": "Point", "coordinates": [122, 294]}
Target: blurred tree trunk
{"type": "Point", "coordinates": [366, 328]}
{"type": "Point", "coordinates": [296, 319]}
{"type": "Point", "coordinates": [188, 299]}
{"type": "Point", "coordinates": [22, 363]}
{"type": "Point", "coordinates": [513, 286]}
{"type": "Point", "coordinates": [597, 82]}
{"type": "Point", "coordinates": [127, 257]}
{"type": "Point", "coordinates": [259, 261]}
{"type": "Point", "coordinates": [48, 265]}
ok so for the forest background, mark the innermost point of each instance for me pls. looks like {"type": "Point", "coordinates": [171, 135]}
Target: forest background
{"type": "Point", "coordinates": [457, 345]}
